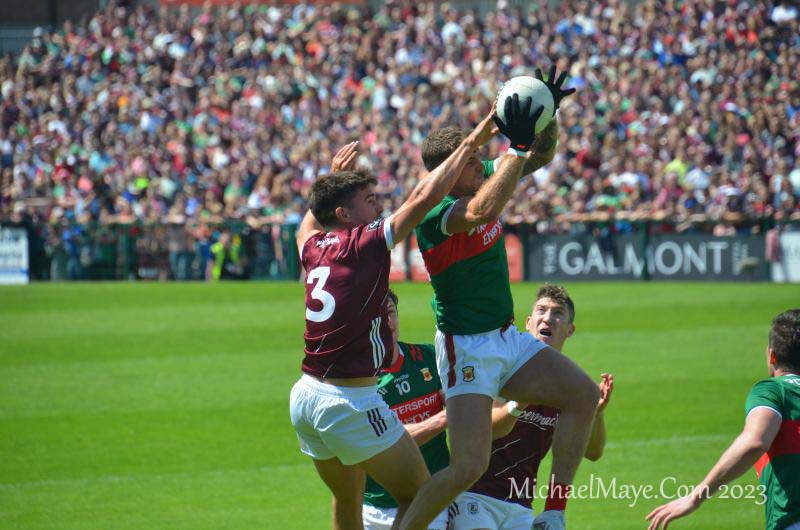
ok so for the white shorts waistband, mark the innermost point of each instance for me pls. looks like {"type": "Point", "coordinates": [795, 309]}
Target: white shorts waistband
{"type": "Point", "coordinates": [350, 392]}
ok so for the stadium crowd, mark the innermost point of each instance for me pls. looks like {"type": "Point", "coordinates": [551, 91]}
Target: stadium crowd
{"type": "Point", "coordinates": [687, 110]}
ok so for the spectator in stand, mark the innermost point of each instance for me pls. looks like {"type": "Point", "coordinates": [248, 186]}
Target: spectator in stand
{"type": "Point", "coordinates": [230, 112]}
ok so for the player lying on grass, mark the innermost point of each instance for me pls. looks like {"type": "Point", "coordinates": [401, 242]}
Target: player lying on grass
{"type": "Point", "coordinates": [501, 498]}
{"type": "Point", "coordinates": [480, 353]}
{"type": "Point", "coordinates": [770, 440]}
{"type": "Point", "coordinates": [340, 419]}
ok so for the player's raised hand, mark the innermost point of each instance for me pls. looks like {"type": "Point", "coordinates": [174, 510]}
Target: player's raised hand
{"type": "Point", "coordinates": [664, 514]}
{"type": "Point", "coordinates": [520, 123]}
{"type": "Point", "coordinates": [486, 129]}
{"type": "Point", "coordinates": [555, 85]}
{"type": "Point", "coordinates": [606, 388]}
{"type": "Point", "coordinates": [345, 158]}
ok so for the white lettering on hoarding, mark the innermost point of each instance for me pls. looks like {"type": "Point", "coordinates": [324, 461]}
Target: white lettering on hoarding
{"type": "Point", "coordinates": [667, 258]}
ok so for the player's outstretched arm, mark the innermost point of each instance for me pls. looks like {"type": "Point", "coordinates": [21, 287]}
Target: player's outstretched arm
{"type": "Point", "coordinates": [492, 197]}
{"type": "Point", "coordinates": [308, 227]}
{"type": "Point", "coordinates": [597, 440]}
{"type": "Point", "coordinates": [424, 431]}
{"type": "Point", "coordinates": [343, 160]}
{"type": "Point", "coordinates": [432, 189]}
{"type": "Point", "coordinates": [759, 432]}
{"type": "Point", "coordinates": [502, 420]}
{"type": "Point", "coordinates": [543, 149]}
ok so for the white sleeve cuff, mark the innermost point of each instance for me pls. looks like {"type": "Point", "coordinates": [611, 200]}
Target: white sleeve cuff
{"type": "Point", "coordinates": [387, 232]}
{"type": "Point", "coordinates": [445, 217]}
{"type": "Point", "coordinates": [495, 164]}
{"type": "Point", "coordinates": [765, 407]}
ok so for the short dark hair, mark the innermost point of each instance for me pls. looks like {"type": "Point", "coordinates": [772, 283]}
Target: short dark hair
{"type": "Point", "coordinates": [784, 339]}
{"type": "Point", "coordinates": [337, 189]}
{"type": "Point", "coordinates": [440, 144]}
{"type": "Point", "coordinates": [393, 297]}
{"type": "Point", "coordinates": [560, 295]}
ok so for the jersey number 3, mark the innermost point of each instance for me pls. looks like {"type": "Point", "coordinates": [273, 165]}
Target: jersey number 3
{"type": "Point", "coordinates": [319, 293]}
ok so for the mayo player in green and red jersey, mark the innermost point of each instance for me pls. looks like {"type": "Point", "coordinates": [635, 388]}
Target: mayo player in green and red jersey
{"type": "Point", "coordinates": [411, 388]}
{"type": "Point", "coordinates": [501, 498]}
{"type": "Point", "coordinates": [480, 353]}
{"type": "Point", "coordinates": [770, 440]}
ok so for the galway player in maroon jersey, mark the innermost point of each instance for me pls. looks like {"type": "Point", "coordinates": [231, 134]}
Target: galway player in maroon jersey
{"type": "Point", "coordinates": [340, 419]}
{"type": "Point", "coordinates": [501, 498]}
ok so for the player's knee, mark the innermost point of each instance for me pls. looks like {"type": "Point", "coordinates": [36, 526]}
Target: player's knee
{"type": "Point", "coordinates": [587, 394]}
{"type": "Point", "coordinates": [467, 472]}
{"type": "Point", "coordinates": [408, 491]}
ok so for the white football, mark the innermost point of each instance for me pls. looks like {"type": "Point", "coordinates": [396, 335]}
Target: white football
{"type": "Point", "coordinates": [527, 86]}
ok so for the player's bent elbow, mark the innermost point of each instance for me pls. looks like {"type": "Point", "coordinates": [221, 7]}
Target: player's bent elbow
{"type": "Point", "coordinates": [547, 158]}
{"type": "Point", "coordinates": [480, 216]}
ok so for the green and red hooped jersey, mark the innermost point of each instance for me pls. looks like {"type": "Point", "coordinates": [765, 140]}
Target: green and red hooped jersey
{"type": "Point", "coordinates": [411, 389]}
{"type": "Point", "coordinates": [468, 270]}
{"type": "Point", "coordinates": [779, 468]}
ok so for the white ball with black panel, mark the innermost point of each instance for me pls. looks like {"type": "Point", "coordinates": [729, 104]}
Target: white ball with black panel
{"type": "Point", "coordinates": [527, 86]}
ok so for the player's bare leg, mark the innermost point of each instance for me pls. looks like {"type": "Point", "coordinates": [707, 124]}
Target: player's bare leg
{"type": "Point", "coordinates": [469, 429]}
{"type": "Point", "coordinates": [551, 378]}
{"type": "Point", "coordinates": [401, 470]}
{"type": "Point", "coordinates": [347, 485]}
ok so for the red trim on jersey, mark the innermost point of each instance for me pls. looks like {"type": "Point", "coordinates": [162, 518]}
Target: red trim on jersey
{"type": "Point", "coordinates": [459, 247]}
{"type": "Point", "coordinates": [416, 353]}
{"type": "Point", "coordinates": [786, 442]}
{"type": "Point", "coordinates": [397, 364]}
{"type": "Point", "coordinates": [451, 360]}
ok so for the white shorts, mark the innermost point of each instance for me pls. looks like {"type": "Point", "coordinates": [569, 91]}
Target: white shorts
{"type": "Point", "coordinates": [353, 424]}
{"type": "Point", "coordinates": [482, 363]}
{"type": "Point", "coordinates": [383, 518]}
{"type": "Point", "coordinates": [472, 510]}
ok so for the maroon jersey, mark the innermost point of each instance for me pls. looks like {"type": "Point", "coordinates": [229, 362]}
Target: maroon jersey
{"type": "Point", "coordinates": [515, 458]}
{"type": "Point", "coordinates": [347, 281]}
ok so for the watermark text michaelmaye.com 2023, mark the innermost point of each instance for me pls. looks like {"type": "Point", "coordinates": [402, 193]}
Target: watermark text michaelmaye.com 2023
{"type": "Point", "coordinates": [604, 488]}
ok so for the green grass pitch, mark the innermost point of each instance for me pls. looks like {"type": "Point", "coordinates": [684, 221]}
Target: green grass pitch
{"type": "Point", "coordinates": [165, 406]}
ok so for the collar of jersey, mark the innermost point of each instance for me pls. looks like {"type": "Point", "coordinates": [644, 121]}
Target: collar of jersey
{"type": "Point", "coordinates": [397, 364]}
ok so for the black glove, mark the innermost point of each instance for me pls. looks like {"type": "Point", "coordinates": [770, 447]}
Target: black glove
{"type": "Point", "coordinates": [520, 123]}
{"type": "Point", "coordinates": [555, 87]}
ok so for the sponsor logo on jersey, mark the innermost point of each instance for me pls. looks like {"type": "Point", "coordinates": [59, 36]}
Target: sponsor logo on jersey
{"type": "Point", "coordinates": [426, 373]}
{"type": "Point", "coordinates": [490, 235]}
{"type": "Point", "coordinates": [418, 409]}
{"type": "Point", "coordinates": [542, 421]}
{"type": "Point", "coordinates": [472, 508]}
{"type": "Point", "coordinates": [374, 225]}
{"type": "Point", "coordinates": [468, 373]}
{"type": "Point", "coordinates": [328, 240]}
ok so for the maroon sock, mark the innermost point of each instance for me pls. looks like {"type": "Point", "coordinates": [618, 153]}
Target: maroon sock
{"type": "Point", "coordinates": [557, 496]}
